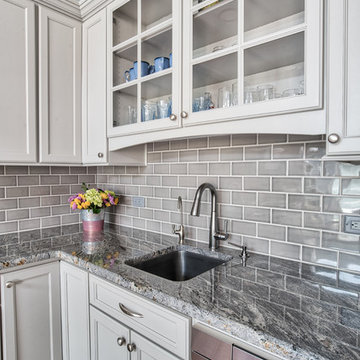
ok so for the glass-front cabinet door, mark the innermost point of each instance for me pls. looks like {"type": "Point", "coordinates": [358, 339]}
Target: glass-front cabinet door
{"type": "Point", "coordinates": [247, 58]}
{"type": "Point", "coordinates": [144, 67]}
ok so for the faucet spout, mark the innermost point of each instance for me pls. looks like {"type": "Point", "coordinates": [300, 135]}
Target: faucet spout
{"type": "Point", "coordinates": [214, 235]}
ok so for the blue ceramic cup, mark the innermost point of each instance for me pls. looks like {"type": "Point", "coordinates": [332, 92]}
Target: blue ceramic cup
{"type": "Point", "coordinates": [145, 68]}
{"type": "Point", "coordinates": [170, 57]}
{"type": "Point", "coordinates": [130, 75]}
{"type": "Point", "coordinates": [161, 63]}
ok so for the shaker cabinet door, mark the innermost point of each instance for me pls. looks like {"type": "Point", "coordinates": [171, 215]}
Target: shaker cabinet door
{"type": "Point", "coordinates": [30, 311]}
{"type": "Point", "coordinates": [18, 83]}
{"type": "Point", "coordinates": [94, 90]}
{"type": "Point", "coordinates": [75, 312]}
{"type": "Point", "coordinates": [59, 87]}
{"type": "Point", "coordinates": [108, 337]}
{"type": "Point", "coordinates": [344, 78]}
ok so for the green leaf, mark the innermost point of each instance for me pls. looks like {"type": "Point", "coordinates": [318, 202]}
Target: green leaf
{"type": "Point", "coordinates": [84, 187]}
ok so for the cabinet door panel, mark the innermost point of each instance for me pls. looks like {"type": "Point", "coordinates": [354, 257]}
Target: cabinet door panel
{"type": "Point", "coordinates": [146, 350]}
{"type": "Point", "coordinates": [344, 77]}
{"type": "Point", "coordinates": [30, 309]}
{"type": "Point", "coordinates": [60, 87]}
{"type": "Point", "coordinates": [94, 89]}
{"type": "Point", "coordinates": [75, 313]}
{"type": "Point", "coordinates": [17, 85]}
{"type": "Point", "coordinates": [105, 333]}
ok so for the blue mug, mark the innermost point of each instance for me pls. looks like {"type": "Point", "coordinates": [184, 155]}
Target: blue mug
{"type": "Point", "coordinates": [146, 68]}
{"type": "Point", "coordinates": [161, 63]}
{"type": "Point", "coordinates": [170, 57]}
{"type": "Point", "coordinates": [130, 75]}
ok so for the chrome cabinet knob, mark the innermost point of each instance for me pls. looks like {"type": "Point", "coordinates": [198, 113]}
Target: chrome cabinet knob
{"type": "Point", "coordinates": [100, 155]}
{"type": "Point", "coordinates": [121, 341]}
{"type": "Point", "coordinates": [184, 114]}
{"type": "Point", "coordinates": [333, 138]}
{"type": "Point", "coordinates": [9, 284]}
{"type": "Point", "coordinates": [131, 347]}
{"type": "Point", "coordinates": [173, 117]}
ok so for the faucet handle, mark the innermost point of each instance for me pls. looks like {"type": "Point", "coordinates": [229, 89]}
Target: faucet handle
{"type": "Point", "coordinates": [225, 235]}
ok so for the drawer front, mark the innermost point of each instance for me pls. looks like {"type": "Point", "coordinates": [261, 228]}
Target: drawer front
{"type": "Point", "coordinates": [165, 327]}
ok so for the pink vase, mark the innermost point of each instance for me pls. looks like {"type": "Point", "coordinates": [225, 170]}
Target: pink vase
{"type": "Point", "coordinates": [92, 222]}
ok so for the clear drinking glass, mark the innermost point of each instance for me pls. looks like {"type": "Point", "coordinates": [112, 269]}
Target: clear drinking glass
{"type": "Point", "coordinates": [163, 108]}
{"type": "Point", "coordinates": [208, 101]}
{"type": "Point", "coordinates": [131, 114]}
{"type": "Point", "coordinates": [149, 111]}
{"type": "Point", "coordinates": [224, 97]}
{"type": "Point", "coordinates": [234, 93]}
{"type": "Point", "coordinates": [250, 95]}
{"type": "Point", "coordinates": [266, 92]}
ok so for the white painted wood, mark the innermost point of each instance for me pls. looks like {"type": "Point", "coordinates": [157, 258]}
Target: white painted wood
{"type": "Point", "coordinates": [94, 90]}
{"type": "Point", "coordinates": [18, 81]}
{"type": "Point", "coordinates": [105, 333]}
{"type": "Point", "coordinates": [75, 312]}
{"type": "Point", "coordinates": [59, 87]}
{"type": "Point", "coordinates": [30, 309]}
{"type": "Point", "coordinates": [308, 122]}
{"type": "Point", "coordinates": [344, 76]}
{"type": "Point", "coordinates": [146, 350]}
{"type": "Point", "coordinates": [313, 72]}
{"type": "Point", "coordinates": [159, 324]}
{"type": "Point", "coordinates": [133, 155]}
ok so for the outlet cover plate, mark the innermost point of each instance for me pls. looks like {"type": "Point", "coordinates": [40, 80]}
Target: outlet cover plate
{"type": "Point", "coordinates": [138, 201]}
{"type": "Point", "coordinates": [352, 224]}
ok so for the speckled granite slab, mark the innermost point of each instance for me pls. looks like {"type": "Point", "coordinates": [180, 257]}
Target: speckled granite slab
{"type": "Point", "coordinates": [294, 310]}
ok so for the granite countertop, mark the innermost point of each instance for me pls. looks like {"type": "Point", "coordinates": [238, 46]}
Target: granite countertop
{"type": "Point", "coordinates": [294, 310]}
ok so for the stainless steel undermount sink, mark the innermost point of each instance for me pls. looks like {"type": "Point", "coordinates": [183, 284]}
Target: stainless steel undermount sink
{"type": "Point", "coordinates": [178, 263]}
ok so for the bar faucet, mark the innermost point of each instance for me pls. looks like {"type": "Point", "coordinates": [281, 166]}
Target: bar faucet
{"type": "Point", "coordinates": [180, 231]}
{"type": "Point", "coordinates": [214, 234]}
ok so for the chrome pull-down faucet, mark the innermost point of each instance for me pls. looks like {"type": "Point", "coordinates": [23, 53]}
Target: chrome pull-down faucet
{"type": "Point", "coordinates": [214, 234]}
{"type": "Point", "coordinates": [180, 231]}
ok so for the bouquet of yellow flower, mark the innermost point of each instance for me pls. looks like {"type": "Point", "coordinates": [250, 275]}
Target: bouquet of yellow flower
{"type": "Point", "coordinates": [93, 199]}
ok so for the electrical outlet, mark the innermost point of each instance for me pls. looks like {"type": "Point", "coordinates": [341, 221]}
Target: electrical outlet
{"type": "Point", "coordinates": [138, 201]}
{"type": "Point", "coordinates": [352, 224]}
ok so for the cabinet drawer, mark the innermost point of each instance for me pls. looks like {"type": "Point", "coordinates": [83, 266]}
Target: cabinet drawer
{"type": "Point", "coordinates": [159, 324]}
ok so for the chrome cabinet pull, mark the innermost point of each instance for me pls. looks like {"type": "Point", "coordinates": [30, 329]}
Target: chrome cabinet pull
{"type": "Point", "coordinates": [10, 284]}
{"type": "Point", "coordinates": [100, 155]}
{"type": "Point", "coordinates": [126, 311]}
{"type": "Point", "coordinates": [333, 138]}
{"type": "Point", "coordinates": [131, 347]}
{"type": "Point", "coordinates": [173, 117]}
{"type": "Point", "coordinates": [121, 341]}
{"type": "Point", "coordinates": [184, 114]}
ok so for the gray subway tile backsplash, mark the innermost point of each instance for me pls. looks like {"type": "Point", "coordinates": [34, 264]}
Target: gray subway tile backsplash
{"type": "Point", "coordinates": [280, 197]}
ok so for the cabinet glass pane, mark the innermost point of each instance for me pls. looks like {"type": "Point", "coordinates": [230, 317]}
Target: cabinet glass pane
{"type": "Point", "coordinates": [125, 22]}
{"type": "Point", "coordinates": [125, 105]}
{"type": "Point", "coordinates": [215, 83]}
{"type": "Point", "coordinates": [274, 69]}
{"type": "Point", "coordinates": [154, 12]}
{"type": "Point", "coordinates": [215, 27]}
{"type": "Point", "coordinates": [155, 52]}
{"type": "Point", "coordinates": [123, 65]}
{"type": "Point", "coordinates": [156, 100]}
{"type": "Point", "coordinates": [264, 17]}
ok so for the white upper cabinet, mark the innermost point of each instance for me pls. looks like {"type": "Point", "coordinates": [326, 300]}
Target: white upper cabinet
{"type": "Point", "coordinates": [30, 311]}
{"type": "Point", "coordinates": [249, 58]}
{"type": "Point", "coordinates": [94, 146]}
{"type": "Point", "coordinates": [18, 81]}
{"type": "Point", "coordinates": [145, 97]}
{"type": "Point", "coordinates": [59, 87]}
{"type": "Point", "coordinates": [344, 78]}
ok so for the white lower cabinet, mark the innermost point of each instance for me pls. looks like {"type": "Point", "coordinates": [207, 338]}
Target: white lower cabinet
{"type": "Point", "coordinates": [112, 340]}
{"type": "Point", "coordinates": [30, 310]}
{"type": "Point", "coordinates": [75, 312]}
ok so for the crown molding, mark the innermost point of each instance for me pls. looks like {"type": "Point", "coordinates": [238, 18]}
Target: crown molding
{"type": "Point", "coordinates": [78, 9]}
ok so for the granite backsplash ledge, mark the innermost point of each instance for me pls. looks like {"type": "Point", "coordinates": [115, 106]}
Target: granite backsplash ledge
{"type": "Point", "coordinates": [281, 198]}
